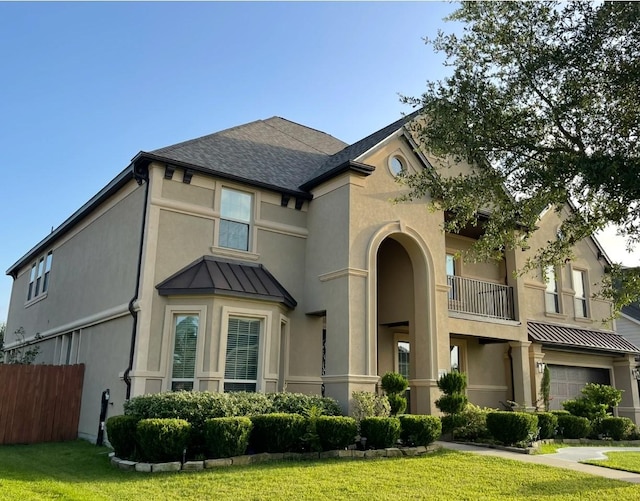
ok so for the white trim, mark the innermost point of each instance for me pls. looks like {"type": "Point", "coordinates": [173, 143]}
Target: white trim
{"type": "Point", "coordinates": [345, 272]}
{"type": "Point", "coordinates": [350, 378]}
{"type": "Point", "coordinates": [380, 144]}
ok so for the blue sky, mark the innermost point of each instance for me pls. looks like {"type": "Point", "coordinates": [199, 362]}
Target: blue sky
{"type": "Point", "coordinates": [86, 86]}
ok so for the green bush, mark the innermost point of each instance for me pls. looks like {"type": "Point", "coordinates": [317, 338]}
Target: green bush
{"type": "Point", "coordinates": [336, 432]}
{"type": "Point", "coordinates": [451, 422]}
{"type": "Point", "coordinates": [299, 403]}
{"type": "Point", "coordinates": [419, 430]}
{"type": "Point", "coordinates": [397, 404]}
{"type": "Point", "coordinates": [162, 440]}
{"type": "Point", "coordinates": [121, 433]}
{"type": "Point", "coordinates": [366, 404]}
{"type": "Point", "coordinates": [512, 427]}
{"type": "Point", "coordinates": [452, 382]}
{"type": "Point", "coordinates": [380, 432]}
{"type": "Point", "coordinates": [226, 437]}
{"type": "Point", "coordinates": [277, 432]}
{"type": "Point", "coordinates": [393, 383]}
{"type": "Point", "coordinates": [548, 423]}
{"type": "Point", "coordinates": [471, 423]}
{"type": "Point", "coordinates": [618, 428]}
{"type": "Point", "coordinates": [570, 426]}
{"type": "Point", "coordinates": [452, 404]}
{"type": "Point", "coordinates": [560, 413]}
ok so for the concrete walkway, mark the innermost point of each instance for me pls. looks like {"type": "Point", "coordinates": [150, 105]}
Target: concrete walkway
{"type": "Point", "coordinates": [566, 458]}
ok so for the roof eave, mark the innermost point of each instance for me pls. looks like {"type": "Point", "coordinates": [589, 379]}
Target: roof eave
{"type": "Point", "coordinates": [152, 157]}
{"type": "Point", "coordinates": [349, 165]}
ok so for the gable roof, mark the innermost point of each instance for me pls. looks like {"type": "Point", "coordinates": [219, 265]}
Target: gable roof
{"type": "Point", "coordinates": [632, 310]}
{"type": "Point", "coordinates": [574, 337]}
{"type": "Point", "coordinates": [212, 275]}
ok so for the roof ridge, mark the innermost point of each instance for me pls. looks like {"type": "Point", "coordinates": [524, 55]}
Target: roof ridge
{"type": "Point", "coordinates": [173, 147]}
{"type": "Point", "coordinates": [297, 139]}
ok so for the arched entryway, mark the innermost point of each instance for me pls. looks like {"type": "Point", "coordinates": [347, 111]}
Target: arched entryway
{"type": "Point", "coordinates": [404, 327]}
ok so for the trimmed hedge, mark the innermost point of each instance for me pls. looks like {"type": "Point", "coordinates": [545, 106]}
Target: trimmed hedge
{"type": "Point", "coordinates": [121, 433]}
{"type": "Point", "coordinates": [397, 403]}
{"type": "Point", "coordinates": [393, 383]}
{"type": "Point", "coordinates": [277, 432]}
{"type": "Point", "coordinates": [380, 432]}
{"type": "Point", "coordinates": [573, 426]}
{"type": "Point", "coordinates": [512, 427]}
{"type": "Point", "coordinates": [336, 432]}
{"type": "Point", "coordinates": [227, 437]}
{"type": "Point", "coordinates": [618, 428]}
{"type": "Point", "coordinates": [548, 423]}
{"type": "Point", "coordinates": [300, 403]}
{"type": "Point", "coordinates": [452, 404]}
{"type": "Point", "coordinates": [419, 430]}
{"type": "Point", "coordinates": [162, 440]}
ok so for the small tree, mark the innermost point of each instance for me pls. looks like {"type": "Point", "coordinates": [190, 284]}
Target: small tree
{"type": "Point", "coordinates": [24, 355]}
{"type": "Point", "coordinates": [394, 385]}
{"type": "Point", "coordinates": [545, 388]}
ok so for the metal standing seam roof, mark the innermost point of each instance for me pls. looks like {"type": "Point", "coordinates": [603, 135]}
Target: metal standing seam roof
{"type": "Point", "coordinates": [559, 335]}
{"type": "Point", "coordinates": [211, 275]}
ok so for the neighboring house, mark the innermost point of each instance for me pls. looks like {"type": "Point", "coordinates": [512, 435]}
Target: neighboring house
{"type": "Point", "coordinates": [628, 323]}
{"type": "Point", "coordinates": [270, 257]}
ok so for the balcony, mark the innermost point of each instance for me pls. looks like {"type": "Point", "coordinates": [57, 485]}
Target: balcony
{"type": "Point", "coordinates": [485, 299]}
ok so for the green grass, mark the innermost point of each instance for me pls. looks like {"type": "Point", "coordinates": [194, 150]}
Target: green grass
{"type": "Point", "coordinates": [81, 471]}
{"type": "Point", "coordinates": [549, 448]}
{"type": "Point", "coordinates": [626, 461]}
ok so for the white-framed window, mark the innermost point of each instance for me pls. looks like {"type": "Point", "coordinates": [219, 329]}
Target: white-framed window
{"type": "Point", "coordinates": [403, 353]}
{"type": "Point", "coordinates": [458, 354]}
{"type": "Point", "coordinates": [397, 165]}
{"type": "Point", "coordinates": [186, 328]}
{"type": "Point", "coordinates": [551, 297]}
{"type": "Point", "coordinates": [451, 270]}
{"type": "Point", "coordinates": [39, 276]}
{"type": "Point", "coordinates": [580, 289]}
{"type": "Point", "coordinates": [235, 219]}
{"type": "Point", "coordinates": [242, 355]}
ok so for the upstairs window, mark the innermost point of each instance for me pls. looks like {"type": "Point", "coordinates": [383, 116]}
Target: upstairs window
{"type": "Point", "coordinates": [39, 276]}
{"type": "Point", "coordinates": [580, 299]}
{"type": "Point", "coordinates": [451, 273]}
{"type": "Point", "coordinates": [551, 299]}
{"type": "Point", "coordinates": [235, 219]}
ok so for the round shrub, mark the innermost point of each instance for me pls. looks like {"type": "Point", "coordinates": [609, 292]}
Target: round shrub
{"type": "Point", "coordinates": [227, 437]}
{"type": "Point", "coordinates": [471, 423]}
{"type": "Point", "coordinates": [336, 432]}
{"type": "Point", "coordinates": [419, 430]}
{"type": "Point", "coordinates": [367, 404]}
{"type": "Point", "coordinates": [573, 426]}
{"type": "Point", "coordinates": [397, 403]}
{"type": "Point", "coordinates": [394, 382]}
{"type": "Point", "coordinates": [277, 432]}
{"type": "Point", "coordinates": [121, 432]}
{"type": "Point", "coordinates": [162, 440]}
{"type": "Point", "coordinates": [548, 423]}
{"type": "Point", "coordinates": [618, 428]}
{"type": "Point", "coordinates": [452, 404]}
{"type": "Point", "coordinates": [512, 427]}
{"type": "Point", "coordinates": [452, 382]}
{"type": "Point", "coordinates": [380, 432]}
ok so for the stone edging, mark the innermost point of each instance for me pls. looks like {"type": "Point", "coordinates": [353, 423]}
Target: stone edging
{"type": "Point", "coordinates": [207, 464]}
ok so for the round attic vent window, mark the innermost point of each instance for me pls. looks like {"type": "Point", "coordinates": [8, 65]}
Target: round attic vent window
{"type": "Point", "coordinates": [396, 165]}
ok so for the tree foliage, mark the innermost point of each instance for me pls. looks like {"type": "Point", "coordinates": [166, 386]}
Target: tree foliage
{"type": "Point", "coordinates": [544, 101]}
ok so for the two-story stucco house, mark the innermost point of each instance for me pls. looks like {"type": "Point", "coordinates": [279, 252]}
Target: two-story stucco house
{"type": "Point", "coordinates": [270, 257]}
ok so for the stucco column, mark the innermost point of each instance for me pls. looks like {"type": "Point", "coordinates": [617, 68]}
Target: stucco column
{"type": "Point", "coordinates": [536, 363]}
{"type": "Point", "coordinates": [624, 380]}
{"type": "Point", "coordinates": [521, 372]}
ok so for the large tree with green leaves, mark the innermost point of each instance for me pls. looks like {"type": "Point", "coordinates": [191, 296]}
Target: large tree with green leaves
{"type": "Point", "coordinates": [544, 100]}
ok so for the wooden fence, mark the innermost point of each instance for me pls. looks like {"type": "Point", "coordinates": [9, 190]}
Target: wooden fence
{"type": "Point", "coordinates": [39, 403]}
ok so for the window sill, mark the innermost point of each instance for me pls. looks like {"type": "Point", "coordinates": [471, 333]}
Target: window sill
{"type": "Point", "coordinates": [233, 253]}
{"type": "Point", "coordinates": [551, 314]}
{"type": "Point", "coordinates": [584, 320]}
{"type": "Point", "coordinates": [36, 299]}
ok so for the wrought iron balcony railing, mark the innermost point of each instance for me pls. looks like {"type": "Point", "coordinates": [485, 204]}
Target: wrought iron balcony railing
{"type": "Point", "coordinates": [476, 297]}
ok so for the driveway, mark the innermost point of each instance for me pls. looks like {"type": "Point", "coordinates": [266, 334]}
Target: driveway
{"type": "Point", "coordinates": [567, 458]}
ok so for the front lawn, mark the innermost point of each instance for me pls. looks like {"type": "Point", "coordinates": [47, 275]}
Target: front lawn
{"type": "Point", "coordinates": [81, 471]}
{"type": "Point", "coordinates": [626, 461]}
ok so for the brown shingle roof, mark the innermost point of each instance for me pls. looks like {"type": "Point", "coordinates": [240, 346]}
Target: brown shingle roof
{"type": "Point", "coordinates": [211, 275]}
{"type": "Point", "coordinates": [574, 337]}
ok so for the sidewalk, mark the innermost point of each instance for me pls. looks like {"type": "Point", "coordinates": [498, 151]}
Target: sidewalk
{"type": "Point", "coordinates": [566, 458]}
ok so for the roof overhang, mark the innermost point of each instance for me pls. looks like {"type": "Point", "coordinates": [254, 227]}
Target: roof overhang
{"type": "Point", "coordinates": [348, 166]}
{"type": "Point", "coordinates": [578, 339]}
{"type": "Point", "coordinates": [211, 275]}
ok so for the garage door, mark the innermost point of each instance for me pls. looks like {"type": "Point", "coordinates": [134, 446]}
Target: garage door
{"type": "Point", "coordinates": [567, 381]}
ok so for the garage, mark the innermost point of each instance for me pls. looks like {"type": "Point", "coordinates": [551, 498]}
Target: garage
{"type": "Point", "coordinates": [568, 381]}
